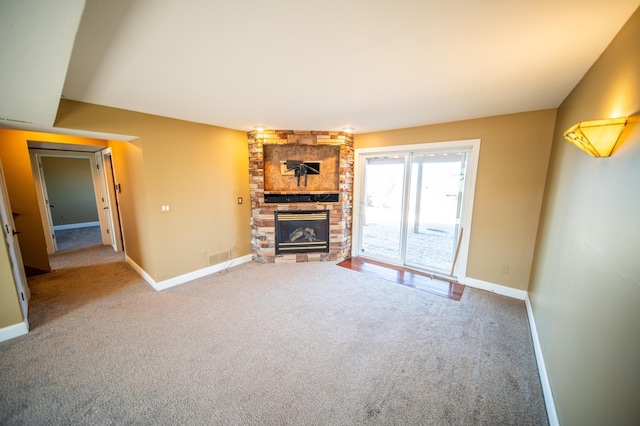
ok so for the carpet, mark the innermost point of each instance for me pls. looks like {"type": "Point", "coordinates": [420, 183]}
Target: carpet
{"type": "Point", "coordinates": [287, 344]}
{"type": "Point", "coordinates": [78, 238]}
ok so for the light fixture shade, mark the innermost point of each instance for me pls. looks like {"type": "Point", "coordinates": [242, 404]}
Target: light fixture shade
{"type": "Point", "coordinates": [596, 137]}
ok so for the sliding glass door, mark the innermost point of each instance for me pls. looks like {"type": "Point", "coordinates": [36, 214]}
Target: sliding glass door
{"type": "Point", "coordinates": [435, 198]}
{"type": "Point", "coordinates": [383, 209]}
{"type": "Point", "coordinates": [412, 207]}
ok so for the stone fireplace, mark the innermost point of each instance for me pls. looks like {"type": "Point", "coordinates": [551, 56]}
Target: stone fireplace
{"type": "Point", "coordinates": [296, 173]}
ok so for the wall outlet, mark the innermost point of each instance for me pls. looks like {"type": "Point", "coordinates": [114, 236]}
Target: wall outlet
{"type": "Point", "coordinates": [504, 269]}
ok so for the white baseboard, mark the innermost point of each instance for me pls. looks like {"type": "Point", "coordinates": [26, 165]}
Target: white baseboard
{"type": "Point", "coordinates": [13, 331]}
{"type": "Point", "coordinates": [542, 369]}
{"type": "Point", "coordinates": [141, 272]}
{"type": "Point", "coordinates": [75, 225]}
{"type": "Point", "coordinates": [181, 279]}
{"type": "Point", "coordinates": [495, 288]}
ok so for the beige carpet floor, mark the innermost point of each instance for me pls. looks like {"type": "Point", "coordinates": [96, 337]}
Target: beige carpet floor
{"type": "Point", "coordinates": [78, 238]}
{"type": "Point", "coordinates": [264, 344]}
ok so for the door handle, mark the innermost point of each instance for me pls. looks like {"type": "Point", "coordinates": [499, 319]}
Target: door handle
{"type": "Point", "coordinates": [16, 232]}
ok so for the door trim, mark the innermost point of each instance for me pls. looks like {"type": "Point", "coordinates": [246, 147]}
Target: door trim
{"type": "Point", "coordinates": [38, 177]}
{"type": "Point", "coordinates": [460, 271]}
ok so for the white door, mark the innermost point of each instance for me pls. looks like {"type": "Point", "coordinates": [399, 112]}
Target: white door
{"type": "Point", "coordinates": [109, 198]}
{"type": "Point", "coordinates": [43, 202]}
{"type": "Point", "coordinates": [103, 203]}
{"type": "Point", "coordinates": [11, 239]}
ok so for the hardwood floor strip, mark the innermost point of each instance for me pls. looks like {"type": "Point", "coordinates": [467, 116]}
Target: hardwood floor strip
{"type": "Point", "coordinates": [450, 289]}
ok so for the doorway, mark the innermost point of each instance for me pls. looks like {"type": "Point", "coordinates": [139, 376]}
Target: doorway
{"type": "Point", "coordinates": [414, 205]}
{"type": "Point", "coordinates": [106, 228]}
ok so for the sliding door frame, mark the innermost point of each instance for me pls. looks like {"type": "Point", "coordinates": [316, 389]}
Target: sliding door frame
{"type": "Point", "coordinates": [460, 270]}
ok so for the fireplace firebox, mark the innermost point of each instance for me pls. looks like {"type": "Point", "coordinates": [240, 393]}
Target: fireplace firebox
{"type": "Point", "coordinates": [302, 231]}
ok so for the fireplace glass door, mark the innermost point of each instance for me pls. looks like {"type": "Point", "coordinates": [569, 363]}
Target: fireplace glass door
{"type": "Point", "coordinates": [302, 231]}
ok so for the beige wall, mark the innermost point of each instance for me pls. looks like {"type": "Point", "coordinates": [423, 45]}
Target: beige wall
{"type": "Point", "coordinates": [198, 170]}
{"type": "Point", "coordinates": [129, 173]}
{"type": "Point", "coordinates": [585, 286]}
{"type": "Point", "coordinates": [22, 196]}
{"type": "Point", "coordinates": [70, 190]}
{"type": "Point", "coordinates": [511, 174]}
{"type": "Point", "coordinates": [14, 152]}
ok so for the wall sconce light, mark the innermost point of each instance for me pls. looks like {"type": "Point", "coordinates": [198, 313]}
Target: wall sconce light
{"type": "Point", "coordinates": [596, 137]}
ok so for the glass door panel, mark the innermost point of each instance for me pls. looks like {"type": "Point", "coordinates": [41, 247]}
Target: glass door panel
{"type": "Point", "coordinates": [433, 216]}
{"type": "Point", "coordinates": [383, 207]}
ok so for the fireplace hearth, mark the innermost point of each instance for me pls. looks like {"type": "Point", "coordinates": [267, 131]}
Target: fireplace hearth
{"type": "Point", "coordinates": [302, 231]}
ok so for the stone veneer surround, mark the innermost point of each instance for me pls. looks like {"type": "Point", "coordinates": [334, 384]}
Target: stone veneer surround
{"type": "Point", "coordinates": [262, 214]}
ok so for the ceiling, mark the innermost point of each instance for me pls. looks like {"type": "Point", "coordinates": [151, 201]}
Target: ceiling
{"type": "Point", "coordinates": [301, 65]}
